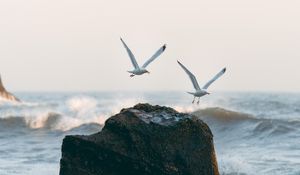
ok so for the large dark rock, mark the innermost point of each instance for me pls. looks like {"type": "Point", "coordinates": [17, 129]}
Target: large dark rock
{"type": "Point", "coordinates": [143, 140]}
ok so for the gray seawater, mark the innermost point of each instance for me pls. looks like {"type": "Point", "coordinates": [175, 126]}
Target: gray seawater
{"type": "Point", "coordinates": [254, 133]}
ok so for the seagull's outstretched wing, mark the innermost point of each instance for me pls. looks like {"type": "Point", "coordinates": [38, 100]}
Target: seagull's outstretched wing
{"type": "Point", "coordinates": [192, 77]}
{"type": "Point", "coordinates": [157, 53]}
{"type": "Point", "coordinates": [132, 58]}
{"type": "Point", "coordinates": [214, 79]}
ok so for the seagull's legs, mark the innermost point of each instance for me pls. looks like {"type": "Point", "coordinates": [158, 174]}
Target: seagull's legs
{"type": "Point", "coordinates": [198, 101]}
{"type": "Point", "coordinates": [131, 75]}
{"type": "Point", "coordinates": [193, 100]}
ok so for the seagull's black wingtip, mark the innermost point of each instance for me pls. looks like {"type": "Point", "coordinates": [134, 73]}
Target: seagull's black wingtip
{"type": "Point", "coordinates": [224, 69]}
{"type": "Point", "coordinates": [164, 47]}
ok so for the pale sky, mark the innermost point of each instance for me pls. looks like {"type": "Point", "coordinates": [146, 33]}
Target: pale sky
{"type": "Point", "coordinates": [73, 45]}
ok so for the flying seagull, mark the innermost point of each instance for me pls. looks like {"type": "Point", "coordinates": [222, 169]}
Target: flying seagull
{"type": "Point", "coordinates": [141, 70]}
{"type": "Point", "coordinates": [7, 95]}
{"type": "Point", "coordinates": [200, 91]}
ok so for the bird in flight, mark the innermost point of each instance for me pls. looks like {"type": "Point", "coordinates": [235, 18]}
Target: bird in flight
{"type": "Point", "coordinates": [141, 70]}
{"type": "Point", "coordinates": [201, 91]}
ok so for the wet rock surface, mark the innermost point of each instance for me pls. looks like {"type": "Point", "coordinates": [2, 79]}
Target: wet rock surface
{"type": "Point", "coordinates": [143, 140]}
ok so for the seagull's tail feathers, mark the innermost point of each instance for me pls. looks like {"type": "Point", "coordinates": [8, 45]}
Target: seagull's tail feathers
{"type": "Point", "coordinates": [191, 93]}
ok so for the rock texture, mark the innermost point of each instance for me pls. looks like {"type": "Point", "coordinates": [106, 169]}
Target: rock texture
{"type": "Point", "coordinates": [143, 140]}
{"type": "Point", "coordinates": [7, 95]}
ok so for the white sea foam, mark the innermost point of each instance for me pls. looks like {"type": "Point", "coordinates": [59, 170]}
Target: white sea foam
{"type": "Point", "coordinates": [235, 164]}
{"type": "Point", "coordinates": [72, 113]}
{"type": "Point", "coordinates": [81, 105]}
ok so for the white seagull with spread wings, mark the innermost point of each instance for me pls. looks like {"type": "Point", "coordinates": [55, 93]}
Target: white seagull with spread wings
{"type": "Point", "coordinates": [200, 91]}
{"type": "Point", "coordinates": [137, 69]}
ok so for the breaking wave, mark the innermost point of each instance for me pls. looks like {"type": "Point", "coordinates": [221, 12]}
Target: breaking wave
{"type": "Point", "coordinates": [84, 110]}
{"type": "Point", "coordinates": [77, 111]}
{"type": "Point", "coordinates": [72, 113]}
{"type": "Point", "coordinates": [223, 115]}
{"type": "Point", "coordinates": [237, 121]}
{"type": "Point", "coordinates": [51, 121]}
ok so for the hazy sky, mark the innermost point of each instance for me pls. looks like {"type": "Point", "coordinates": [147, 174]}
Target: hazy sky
{"type": "Point", "coordinates": [62, 45]}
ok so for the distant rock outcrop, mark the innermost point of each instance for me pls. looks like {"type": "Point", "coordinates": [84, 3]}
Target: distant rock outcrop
{"type": "Point", "coordinates": [143, 140]}
{"type": "Point", "coordinates": [6, 95]}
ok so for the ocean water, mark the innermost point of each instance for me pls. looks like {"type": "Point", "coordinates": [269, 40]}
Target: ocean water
{"type": "Point", "coordinates": [254, 133]}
